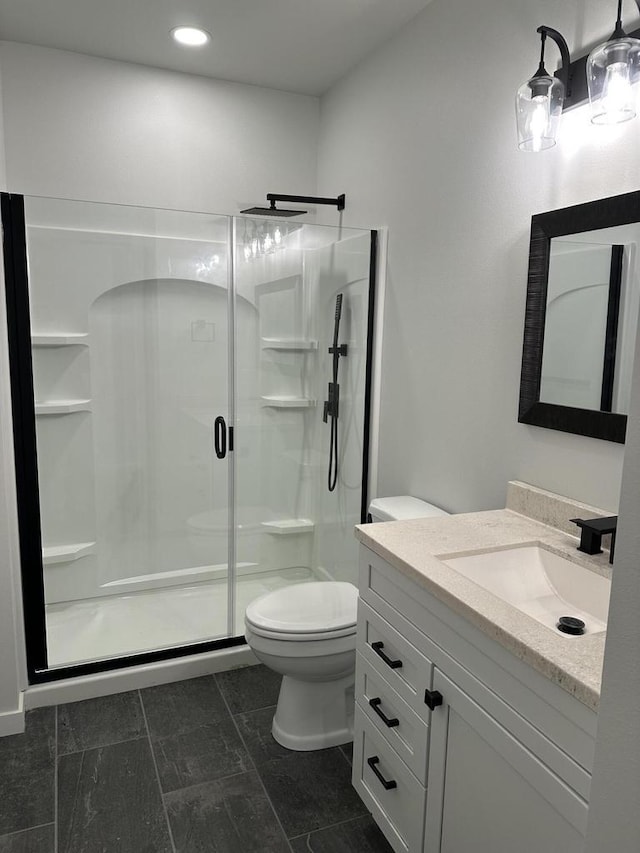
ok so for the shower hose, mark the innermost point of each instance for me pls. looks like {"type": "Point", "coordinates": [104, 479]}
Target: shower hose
{"type": "Point", "coordinates": [332, 477]}
{"type": "Point", "coordinates": [332, 405]}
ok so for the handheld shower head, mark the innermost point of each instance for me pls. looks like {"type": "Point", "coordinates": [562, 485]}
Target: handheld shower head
{"type": "Point", "coordinates": [338, 307]}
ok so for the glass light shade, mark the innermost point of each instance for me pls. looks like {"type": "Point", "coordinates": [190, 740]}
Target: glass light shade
{"type": "Point", "coordinates": [612, 71]}
{"type": "Point", "coordinates": [538, 109]}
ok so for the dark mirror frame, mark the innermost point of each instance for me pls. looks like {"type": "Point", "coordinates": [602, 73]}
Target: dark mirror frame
{"type": "Point", "coordinates": [594, 215]}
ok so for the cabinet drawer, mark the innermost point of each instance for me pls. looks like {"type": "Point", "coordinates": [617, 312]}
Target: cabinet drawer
{"type": "Point", "coordinates": [388, 788]}
{"type": "Point", "coordinates": [406, 669]}
{"type": "Point", "coordinates": [404, 730]}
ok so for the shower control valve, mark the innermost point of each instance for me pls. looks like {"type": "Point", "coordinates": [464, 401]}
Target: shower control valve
{"type": "Point", "coordinates": [331, 405]}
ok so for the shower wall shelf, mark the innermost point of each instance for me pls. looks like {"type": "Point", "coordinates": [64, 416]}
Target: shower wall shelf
{"type": "Point", "coordinates": [289, 344]}
{"type": "Point", "coordinates": [53, 554]}
{"type": "Point", "coordinates": [63, 407]}
{"type": "Point", "coordinates": [283, 401]}
{"type": "Point", "coordinates": [289, 526]}
{"type": "Point", "coordinates": [61, 340]}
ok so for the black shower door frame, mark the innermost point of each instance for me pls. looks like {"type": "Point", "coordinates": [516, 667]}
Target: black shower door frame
{"type": "Point", "coordinates": [16, 275]}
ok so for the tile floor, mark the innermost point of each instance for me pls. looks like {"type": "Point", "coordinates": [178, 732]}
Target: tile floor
{"type": "Point", "coordinates": [188, 767]}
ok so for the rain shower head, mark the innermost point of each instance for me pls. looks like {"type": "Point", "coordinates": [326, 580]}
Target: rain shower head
{"type": "Point", "coordinates": [272, 210]}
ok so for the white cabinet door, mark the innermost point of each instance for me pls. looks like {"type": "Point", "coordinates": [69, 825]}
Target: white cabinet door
{"type": "Point", "coordinates": [487, 793]}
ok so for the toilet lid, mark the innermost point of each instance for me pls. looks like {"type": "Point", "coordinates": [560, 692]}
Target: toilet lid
{"type": "Point", "coordinates": [306, 608]}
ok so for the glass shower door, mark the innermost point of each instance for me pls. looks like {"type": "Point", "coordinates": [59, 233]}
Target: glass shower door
{"type": "Point", "coordinates": [289, 527]}
{"type": "Point", "coordinates": [129, 318]}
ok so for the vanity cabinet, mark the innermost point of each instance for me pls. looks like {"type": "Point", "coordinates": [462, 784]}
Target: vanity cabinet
{"type": "Point", "coordinates": [458, 745]}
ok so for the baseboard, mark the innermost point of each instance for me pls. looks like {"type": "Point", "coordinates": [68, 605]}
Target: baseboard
{"type": "Point", "coordinates": [12, 722]}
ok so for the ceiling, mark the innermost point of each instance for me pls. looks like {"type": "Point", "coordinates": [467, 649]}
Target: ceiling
{"type": "Point", "coordinates": [297, 45]}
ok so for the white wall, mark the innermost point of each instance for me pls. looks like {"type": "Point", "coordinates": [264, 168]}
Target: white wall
{"type": "Point", "coordinates": [421, 137]}
{"type": "Point", "coordinates": [87, 128]}
{"type": "Point", "coordinates": [12, 664]}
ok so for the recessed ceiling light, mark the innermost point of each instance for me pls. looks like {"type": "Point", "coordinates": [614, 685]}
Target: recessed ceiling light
{"type": "Point", "coordinates": [190, 36]}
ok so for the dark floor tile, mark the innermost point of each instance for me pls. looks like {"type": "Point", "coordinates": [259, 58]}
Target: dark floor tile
{"type": "Point", "coordinates": [108, 800]}
{"type": "Point", "coordinates": [355, 836]}
{"type": "Point", "coordinates": [38, 840]}
{"type": "Point", "coordinates": [311, 790]}
{"type": "Point", "coordinates": [229, 816]}
{"type": "Point", "coordinates": [347, 751]}
{"type": "Point", "coordinates": [249, 688]}
{"type": "Point", "coordinates": [182, 706]}
{"type": "Point", "coordinates": [255, 728]}
{"type": "Point", "coordinates": [361, 835]}
{"type": "Point", "coordinates": [99, 722]}
{"type": "Point", "coordinates": [200, 755]}
{"type": "Point", "coordinates": [27, 773]}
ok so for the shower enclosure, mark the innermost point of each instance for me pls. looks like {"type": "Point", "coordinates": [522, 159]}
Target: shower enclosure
{"type": "Point", "coordinates": [169, 371]}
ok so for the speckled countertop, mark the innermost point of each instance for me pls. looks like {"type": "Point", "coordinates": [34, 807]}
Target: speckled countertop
{"type": "Point", "coordinates": [417, 547]}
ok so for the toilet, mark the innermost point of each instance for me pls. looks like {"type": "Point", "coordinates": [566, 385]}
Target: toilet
{"type": "Point", "coordinates": [307, 633]}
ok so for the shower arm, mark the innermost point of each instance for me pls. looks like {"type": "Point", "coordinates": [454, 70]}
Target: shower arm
{"type": "Point", "coordinates": [339, 201]}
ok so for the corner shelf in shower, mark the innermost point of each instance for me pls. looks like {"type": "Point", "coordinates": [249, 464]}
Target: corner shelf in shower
{"type": "Point", "coordinates": [286, 401]}
{"type": "Point", "coordinates": [299, 344]}
{"type": "Point", "coordinates": [60, 340]}
{"type": "Point", "coordinates": [63, 407]}
{"type": "Point", "coordinates": [289, 526]}
{"type": "Point", "coordinates": [52, 554]}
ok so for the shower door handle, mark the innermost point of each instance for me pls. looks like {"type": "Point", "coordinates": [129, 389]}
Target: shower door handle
{"type": "Point", "coordinates": [220, 437]}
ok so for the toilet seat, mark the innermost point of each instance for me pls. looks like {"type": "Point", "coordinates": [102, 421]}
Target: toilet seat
{"type": "Point", "coordinates": [299, 646]}
{"type": "Point", "coordinates": [306, 612]}
{"type": "Point", "coordinates": [307, 637]}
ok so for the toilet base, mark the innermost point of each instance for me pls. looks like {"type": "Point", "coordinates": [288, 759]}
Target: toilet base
{"type": "Point", "coordinates": [313, 714]}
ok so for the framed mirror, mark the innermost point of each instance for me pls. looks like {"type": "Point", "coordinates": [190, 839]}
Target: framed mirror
{"type": "Point", "coordinates": [583, 299]}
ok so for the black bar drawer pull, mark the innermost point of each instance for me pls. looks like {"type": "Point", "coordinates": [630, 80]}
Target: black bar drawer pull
{"type": "Point", "coordinates": [377, 648]}
{"type": "Point", "coordinates": [387, 784]}
{"type": "Point", "coordinates": [390, 722]}
{"type": "Point", "coordinates": [432, 699]}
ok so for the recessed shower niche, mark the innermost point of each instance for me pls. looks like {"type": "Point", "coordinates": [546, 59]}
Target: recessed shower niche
{"type": "Point", "coordinates": [168, 390]}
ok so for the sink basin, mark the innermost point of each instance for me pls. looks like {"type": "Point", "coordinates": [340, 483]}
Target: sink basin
{"type": "Point", "coordinates": [541, 584]}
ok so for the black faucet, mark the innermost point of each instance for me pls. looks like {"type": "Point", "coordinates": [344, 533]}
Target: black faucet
{"type": "Point", "coordinates": [592, 531]}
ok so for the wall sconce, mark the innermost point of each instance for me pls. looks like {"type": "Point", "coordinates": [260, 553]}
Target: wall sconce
{"type": "Point", "coordinates": [539, 101]}
{"type": "Point", "coordinates": [605, 77]}
{"type": "Point", "coordinates": [612, 69]}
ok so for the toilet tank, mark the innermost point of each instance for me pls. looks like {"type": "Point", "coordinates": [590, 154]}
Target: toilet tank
{"type": "Point", "coordinates": [402, 507]}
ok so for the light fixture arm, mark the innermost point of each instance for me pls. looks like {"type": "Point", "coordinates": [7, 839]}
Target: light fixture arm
{"type": "Point", "coordinates": [563, 47]}
{"type": "Point", "coordinates": [619, 32]}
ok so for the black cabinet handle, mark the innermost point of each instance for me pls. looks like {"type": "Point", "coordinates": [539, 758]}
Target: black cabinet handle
{"type": "Point", "coordinates": [220, 437]}
{"type": "Point", "coordinates": [387, 784]}
{"type": "Point", "coordinates": [390, 722]}
{"type": "Point", "coordinates": [432, 699]}
{"type": "Point", "coordinates": [377, 648]}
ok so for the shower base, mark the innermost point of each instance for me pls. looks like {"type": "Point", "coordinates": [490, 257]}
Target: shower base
{"type": "Point", "coordinates": [117, 625]}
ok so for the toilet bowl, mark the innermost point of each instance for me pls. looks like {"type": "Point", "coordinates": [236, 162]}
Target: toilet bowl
{"type": "Point", "coordinates": [307, 633]}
